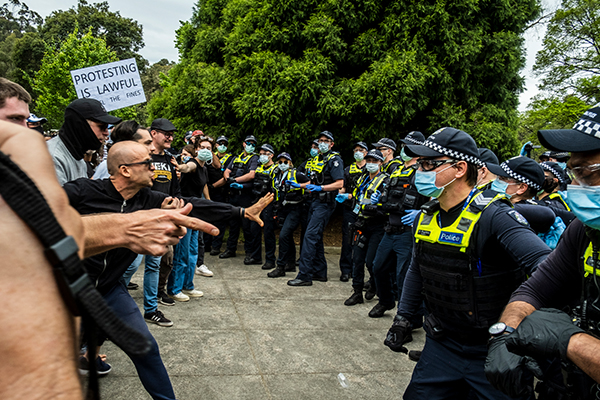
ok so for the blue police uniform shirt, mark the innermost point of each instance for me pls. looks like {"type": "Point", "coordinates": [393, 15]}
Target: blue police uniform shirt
{"type": "Point", "coordinates": [335, 168]}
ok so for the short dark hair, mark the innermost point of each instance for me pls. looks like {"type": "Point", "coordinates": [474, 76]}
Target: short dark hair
{"type": "Point", "coordinates": [190, 149]}
{"type": "Point", "coordinates": [472, 174]}
{"type": "Point", "coordinates": [126, 130]}
{"type": "Point", "coordinates": [10, 89]}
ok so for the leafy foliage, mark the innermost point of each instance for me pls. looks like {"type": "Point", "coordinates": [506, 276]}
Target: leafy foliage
{"type": "Point", "coordinates": [53, 84]}
{"type": "Point", "coordinates": [284, 70]}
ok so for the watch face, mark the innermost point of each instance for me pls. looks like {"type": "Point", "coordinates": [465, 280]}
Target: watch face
{"type": "Point", "coordinates": [497, 328]}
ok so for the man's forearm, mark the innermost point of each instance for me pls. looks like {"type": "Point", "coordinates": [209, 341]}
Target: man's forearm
{"type": "Point", "coordinates": [584, 351]}
{"type": "Point", "coordinates": [515, 312]}
{"type": "Point", "coordinates": [245, 178]}
{"type": "Point", "coordinates": [104, 232]}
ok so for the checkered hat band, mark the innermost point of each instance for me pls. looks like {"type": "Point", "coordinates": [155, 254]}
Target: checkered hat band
{"type": "Point", "coordinates": [415, 141]}
{"type": "Point", "coordinates": [588, 127]}
{"type": "Point", "coordinates": [454, 154]}
{"type": "Point", "coordinates": [519, 177]}
{"type": "Point", "coordinates": [553, 171]}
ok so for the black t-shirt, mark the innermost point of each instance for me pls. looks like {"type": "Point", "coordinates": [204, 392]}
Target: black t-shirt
{"type": "Point", "coordinates": [192, 183]}
{"type": "Point", "coordinates": [557, 281]}
{"type": "Point", "coordinates": [165, 175]}
{"type": "Point", "coordinates": [89, 196]}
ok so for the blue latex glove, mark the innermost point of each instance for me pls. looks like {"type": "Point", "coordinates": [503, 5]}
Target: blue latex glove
{"type": "Point", "coordinates": [236, 185]}
{"type": "Point", "coordinates": [314, 188]}
{"type": "Point", "coordinates": [410, 216]}
{"type": "Point", "coordinates": [375, 197]}
{"type": "Point", "coordinates": [292, 184]}
{"type": "Point", "coordinates": [523, 152]}
{"type": "Point", "coordinates": [342, 197]}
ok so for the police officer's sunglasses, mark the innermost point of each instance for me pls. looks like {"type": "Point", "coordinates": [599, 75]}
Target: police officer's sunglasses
{"type": "Point", "coordinates": [430, 165]}
{"type": "Point", "coordinates": [283, 161]}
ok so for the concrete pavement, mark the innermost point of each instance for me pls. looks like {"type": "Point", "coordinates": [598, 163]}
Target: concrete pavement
{"type": "Point", "coordinates": [253, 337]}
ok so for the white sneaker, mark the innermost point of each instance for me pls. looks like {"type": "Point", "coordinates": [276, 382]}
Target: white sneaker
{"type": "Point", "coordinates": [193, 293]}
{"type": "Point", "coordinates": [203, 270]}
{"type": "Point", "coordinates": [179, 297]}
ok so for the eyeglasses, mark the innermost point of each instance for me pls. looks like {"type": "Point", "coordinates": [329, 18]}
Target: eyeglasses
{"type": "Point", "coordinates": [325, 141]}
{"type": "Point", "coordinates": [584, 175]}
{"type": "Point", "coordinates": [147, 163]}
{"type": "Point", "coordinates": [283, 162]}
{"type": "Point", "coordinates": [166, 134]}
{"type": "Point", "coordinates": [430, 165]}
{"type": "Point", "coordinates": [250, 143]}
{"type": "Point", "coordinates": [382, 148]}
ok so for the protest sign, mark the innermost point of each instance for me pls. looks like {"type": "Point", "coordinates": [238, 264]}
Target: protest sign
{"type": "Point", "coordinates": [115, 85]}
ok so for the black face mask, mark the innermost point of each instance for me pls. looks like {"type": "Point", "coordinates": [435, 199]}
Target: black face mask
{"type": "Point", "coordinates": [77, 134]}
{"type": "Point", "coordinates": [39, 129]}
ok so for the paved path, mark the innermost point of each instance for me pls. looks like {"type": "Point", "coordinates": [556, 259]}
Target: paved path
{"type": "Point", "coordinates": [252, 337]}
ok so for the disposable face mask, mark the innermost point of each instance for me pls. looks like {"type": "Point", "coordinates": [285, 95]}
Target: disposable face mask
{"type": "Point", "coordinates": [324, 147]}
{"type": "Point", "coordinates": [186, 158]}
{"type": "Point", "coordinates": [372, 167]}
{"type": "Point", "coordinates": [585, 204]}
{"type": "Point", "coordinates": [500, 187]}
{"type": "Point", "coordinates": [284, 167]}
{"type": "Point", "coordinates": [359, 156]}
{"type": "Point", "coordinates": [250, 148]}
{"type": "Point", "coordinates": [221, 148]}
{"type": "Point", "coordinates": [314, 152]}
{"type": "Point", "coordinates": [425, 183]}
{"type": "Point", "coordinates": [405, 158]}
{"type": "Point", "coordinates": [563, 165]}
{"type": "Point", "coordinates": [263, 159]}
{"type": "Point", "coordinates": [205, 155]}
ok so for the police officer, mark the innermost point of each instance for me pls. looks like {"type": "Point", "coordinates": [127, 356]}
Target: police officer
{"type": "Point", "coordinates": [567, 279]}
{"type": "Point", "coordinates": [239, 176]}
{"type": "Point", "coordinates": [218, 190]}
{"type": "Point", "coordinates": [521, 178]}
{"type": "Point", "coordinates": [401, 201]}
{"type": "Point", "coordinates": [263, 184]}
{"type": "Point", "coordinates": [352, 174]}
{"type": "Point", "coordinates": [387, 147]}
{"type": "Point", "coordinates": [288, 211]}
{"type": "Point", "coordinates": [471, 251]}
{"type": "Point", "coordinates": [485, 177]}
{"type": "Point", "coordinates": [368, 228]}
{"type": "Point", "coordinates": [327, 177]}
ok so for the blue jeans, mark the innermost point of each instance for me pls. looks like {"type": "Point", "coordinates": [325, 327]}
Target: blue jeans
{"type": "Point", "coordinates": [312, 256]}
{"type": "Point", "coordinates": [181, 264]}
{"type": "Point", "coordinates": [132, 269]}
{"type": "Point", "coordinates": [150, 367]}
{"type": "Point", "coordinates": [390, 265]}
{"type": "Point", "coordinates": [151, 269]}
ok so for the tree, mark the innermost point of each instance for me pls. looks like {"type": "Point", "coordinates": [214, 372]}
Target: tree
{"type": "Point", "coordinates": [122, 35]}
{"type": "Point", "coordinates": [284, 70]}
{"type": "Point", "coordinates": [569, 62]}
{"type": "Point", "coordinates": [53, 84]}
{"type": "Point", "coordinates": [17, 18]}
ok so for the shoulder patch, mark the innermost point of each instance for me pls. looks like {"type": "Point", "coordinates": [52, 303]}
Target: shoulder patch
{"type": "Point", "coordinates": [336, 163]}
{"type": "Point", "coordinates": [518, 217]}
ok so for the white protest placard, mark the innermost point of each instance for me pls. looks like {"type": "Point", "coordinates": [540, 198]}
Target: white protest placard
{"type": "Point", "coordinates": [115, 85]}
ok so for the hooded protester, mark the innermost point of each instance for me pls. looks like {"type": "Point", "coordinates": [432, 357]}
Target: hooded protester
{"type": "Point", "coordinates": [85, 128]}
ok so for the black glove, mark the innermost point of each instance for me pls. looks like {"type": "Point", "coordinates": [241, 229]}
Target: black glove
{"type": "Point", "coordinates": [508, 372]}
{"type": "Point", "coordinates": [229, 181]}
{"type": "Point", "coordinates": [543, 334]}
{"type": "Point", "coordinates": [399, 333]}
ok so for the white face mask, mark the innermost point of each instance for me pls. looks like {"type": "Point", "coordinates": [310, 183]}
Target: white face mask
{"type": "Point", "coordinates": [324, 147]}
{"type": "Point", "coordinates": [359, 156]}
{"type": "Point", "coordinates": [263, 159]}
{"type": "Point", "coordinates": [372, 167]}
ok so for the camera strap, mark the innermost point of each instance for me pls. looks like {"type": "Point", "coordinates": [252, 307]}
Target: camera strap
{"type": "Point", "coordinates": [76, 288]}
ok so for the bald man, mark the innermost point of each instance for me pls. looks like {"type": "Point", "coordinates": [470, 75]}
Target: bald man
{"type": "Point", "coordinates": [128, 190]}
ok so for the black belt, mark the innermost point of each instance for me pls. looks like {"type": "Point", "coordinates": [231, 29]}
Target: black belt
{"type": "Point", "coordinates": [76, 288]}
{"type": "Point", "coordinates": [394, 230]}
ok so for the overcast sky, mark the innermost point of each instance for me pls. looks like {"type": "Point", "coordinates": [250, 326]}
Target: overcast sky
{"type": "Point", "coordinates": [160, 19]}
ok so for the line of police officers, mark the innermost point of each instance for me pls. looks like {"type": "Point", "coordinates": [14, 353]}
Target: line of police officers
{"type": "Point", "coordinates": [442, 231]}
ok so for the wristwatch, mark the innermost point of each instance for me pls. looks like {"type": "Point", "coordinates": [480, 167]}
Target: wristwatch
{"type": "Point", "coordinates": [500, 328]}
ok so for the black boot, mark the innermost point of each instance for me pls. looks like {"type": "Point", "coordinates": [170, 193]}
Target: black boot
{"type": "Point", "coordinates": [356, 298]}
{"type": "Point", "coordinates": [277, 272]}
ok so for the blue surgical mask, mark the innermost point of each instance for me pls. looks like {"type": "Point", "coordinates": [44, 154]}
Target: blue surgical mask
{"type": "Point", "coordinates": [284, 167]}
{"type": "Point", "coordinates": [250, 148]}
{"type": "Point", "coordinates": [263, 158]}
{"type": "Point", "coordinates": [500, 187]}
{"type": "Point", "coordinates": [425, 183]}
{"type": "Point", "coordinates": [372, 167]}
{"type": "Point", "coordinates": [314, 152]}
{"type": "Point", "coordinates": [563, 165]}
{"type": "Point", "coordinates": [221, 148]}
{"type": "Point", "coordinates": [403, 155]}
{"type": "Point", "coordinates": [205, 155]}
{"type": "Point", "coordinates": [585, 204]}
{"type": "Point", "coordinates": [324, 147]}
{"type": "Point", "coordinates": [359, 155]}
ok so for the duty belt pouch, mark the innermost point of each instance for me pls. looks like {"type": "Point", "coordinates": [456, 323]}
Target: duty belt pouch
{"type": "Point", "coordinates": [434, 327]}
